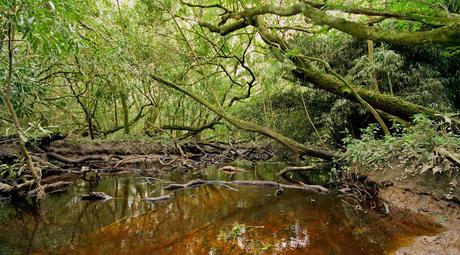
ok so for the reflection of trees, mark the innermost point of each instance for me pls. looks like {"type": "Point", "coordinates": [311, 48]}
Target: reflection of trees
{"type": "Point", "coordinates": [191, 224]}
{"type": "Point", "coordinates": [184, 217]}
{"type": "Point", "coordinates": [20, 226]}
{"type": "Point", "coordinates": [192, 221]}
{"type": "Point", "coordinates": [63, 219]}
{"type": "Point", "coordinates": [385, 230]}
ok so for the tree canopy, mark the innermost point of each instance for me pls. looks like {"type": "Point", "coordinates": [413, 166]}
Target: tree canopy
{"type": "Point", "coordinates": [199, 69]}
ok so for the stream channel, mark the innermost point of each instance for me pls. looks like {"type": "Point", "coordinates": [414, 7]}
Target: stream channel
{"type": "Point", "coordinates": [204, 220]}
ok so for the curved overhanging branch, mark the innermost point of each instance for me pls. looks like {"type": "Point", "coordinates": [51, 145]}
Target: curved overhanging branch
{"type": "Point", "coordinates": [308, 73]}
{"type": "Point", "coordinates": [226, 29]}
{"type": "Point", "coordinates": [298, 8]}
{"type": "Point", "coordinates": [448, 33]}
{"type": "Point", "coordinates": [366, 105]}
{"type": "Point", "coordinates": [409, 16]}
{"type": "Point", "coordinates": [295, 146]}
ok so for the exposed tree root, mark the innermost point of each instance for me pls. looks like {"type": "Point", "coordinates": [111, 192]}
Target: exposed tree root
{"type": "Point", "coordinates": [61, 164]}
{"type": "Point", "coordinates": [6, 187]}
{"type": "Point", "coordinates": [451, 156]}
{"type": "Point", "coordinates": [25, 189]}
{"type": "Point", "coordinates": [51, 188]}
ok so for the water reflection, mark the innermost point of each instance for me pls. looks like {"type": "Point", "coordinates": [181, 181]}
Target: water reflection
{"type": "Point", "coordinates": [299, 240]}
{"type": "Point", "coordinates": [195, 220]}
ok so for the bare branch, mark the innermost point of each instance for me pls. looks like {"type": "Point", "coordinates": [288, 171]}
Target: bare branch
{"type": "Point", "coordinates": [207, 6]}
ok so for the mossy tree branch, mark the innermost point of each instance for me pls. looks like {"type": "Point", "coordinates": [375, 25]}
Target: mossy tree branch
{"type": "Point", "coordinates": [448, 32]}
{"type": "Point", "coordinates": [295, 146]}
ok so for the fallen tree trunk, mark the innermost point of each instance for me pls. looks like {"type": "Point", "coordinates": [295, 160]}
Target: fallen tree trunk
{"type": "Point", "coordinates": [293, 145]}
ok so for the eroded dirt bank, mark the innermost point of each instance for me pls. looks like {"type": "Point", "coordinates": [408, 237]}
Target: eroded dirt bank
{"type": "Point", "coordinates": [430, 194]}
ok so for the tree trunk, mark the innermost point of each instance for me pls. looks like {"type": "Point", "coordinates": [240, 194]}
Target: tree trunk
{"type": "Point", "coordinates": [9, 105]}
{"type": "Point", "coordinates": [116, 111]}
{"type": "Point", "coordinates": [295, 146]}
{"type": "Point", "coordinates": [89, 119]}
{"type": "Point", "coordinates": [373, 75]}
{"type": "Point", "coordinates": [124, 103]}
{"type": "Point", "coordinates": [308, 73]}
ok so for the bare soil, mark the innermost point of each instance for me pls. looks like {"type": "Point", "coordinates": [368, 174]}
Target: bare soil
{"type": "Point", "coordinates": [425, 194]}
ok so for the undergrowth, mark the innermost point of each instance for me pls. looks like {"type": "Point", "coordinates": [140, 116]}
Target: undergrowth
{"type": "Point", "coordinates": [414, 149]}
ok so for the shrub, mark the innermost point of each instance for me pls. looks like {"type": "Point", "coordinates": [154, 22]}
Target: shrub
{"type": "Point", "coordinates": [413, 149]}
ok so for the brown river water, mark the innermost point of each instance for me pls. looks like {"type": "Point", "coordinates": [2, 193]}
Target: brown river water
{"type": "Point", "coordinates": [205, 220]}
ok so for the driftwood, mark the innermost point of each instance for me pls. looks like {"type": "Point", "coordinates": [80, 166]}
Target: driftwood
{"type": "Point", "coordinates": [196, 183]}
{"type": "Point", "coordinates": [158, 199]}
{"type": "Point", "coordinates": [51, 188]}
{"type": "Point", "coordinates": [93, 196]}
{"type": "Point", "coordinates": [291, 169]}
{"type": "Point", "coordinates": [451, 156]}
{"type": "Point", "coordinates": [67, 160]}
{"type": "Point", "coordinates": [10, 188]}
{"type": "Point", "coordinates": [24, 189]}
{"type": "Point", "coordinates": [199, 182]}
{"type": "Point", "coordinates": [144, 159]}
{"type": "Point", "coordinates": [231, 169]}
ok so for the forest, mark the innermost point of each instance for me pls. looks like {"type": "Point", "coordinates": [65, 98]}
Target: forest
{"type": "Point", "coordinates": [229, 127]}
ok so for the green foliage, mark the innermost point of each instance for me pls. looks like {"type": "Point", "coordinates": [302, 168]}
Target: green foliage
{"type": "Point", "coordinates": [77, 61]}
{"type": "Point", "coordinates": [285, 112]}
{"type": "Point", "coordinates": [8, 171]}
{"type": "Point", "coordinates": [418, 82]}
{"type": "Point", "coordinates": [426, 75]}
{"type": "Point", "coordinates": [413, 148]}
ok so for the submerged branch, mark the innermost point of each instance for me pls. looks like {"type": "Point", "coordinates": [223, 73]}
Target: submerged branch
{"type": "Point", "coordinates": [198, 182]}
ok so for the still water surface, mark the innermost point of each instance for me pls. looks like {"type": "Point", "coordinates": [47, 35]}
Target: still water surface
{"type": "Point", "coordinates": [204, 220]}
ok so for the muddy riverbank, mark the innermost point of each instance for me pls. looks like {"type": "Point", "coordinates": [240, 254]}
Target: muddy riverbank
{"type": "Point", "coordinates": [429, 194]}
{"type": "Point", "coordinates": [208, 219]}
{"type": "Point", "coordinates": [419, 219]}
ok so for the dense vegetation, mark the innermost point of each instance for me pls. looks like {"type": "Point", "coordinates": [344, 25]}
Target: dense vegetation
{"type": "Point", "coordinates": [304, 73]}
